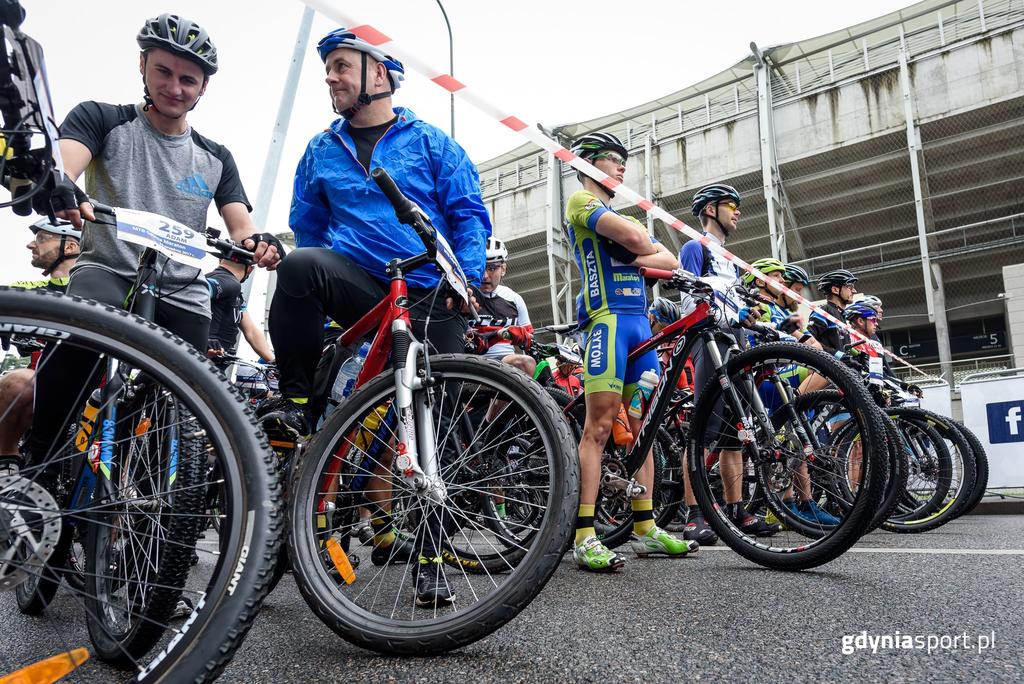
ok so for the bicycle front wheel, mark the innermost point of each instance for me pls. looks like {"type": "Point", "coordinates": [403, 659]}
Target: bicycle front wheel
{"type": "Point", "coordinates": [511, 491]}
{"type": "Point", "coordinates": [779, 490]}
{"type": "Point", "coordinates": [221, 580]}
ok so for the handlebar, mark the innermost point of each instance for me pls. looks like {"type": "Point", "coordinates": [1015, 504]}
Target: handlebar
{"type": "Point", "coordinates": [228, 249]}
{"type": "Point", "coordinates": [562, 329]}
{"type": "Point", "coordinates": [11, 13]}
{"type": "Point", "coordinates": [406, 210]}
{"type": "Point", "coordinates": [222, 248]}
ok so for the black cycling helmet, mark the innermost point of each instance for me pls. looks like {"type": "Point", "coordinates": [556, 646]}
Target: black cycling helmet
{"type": "Point", "coordinates": [181, 36]}
{"type": "Point", "coordinates": [713, 194]}
{"type": "Point", "coordinates": [836, 278]}
{"type": "Point", "coordinates": [664, 310]}
{"type": "Point", "coordinates": [795, 274]}
{"type": "Point", "coordinates": [590, 144]}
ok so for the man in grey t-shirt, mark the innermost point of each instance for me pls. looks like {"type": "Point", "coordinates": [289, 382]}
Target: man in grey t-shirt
{"type": "Point", "coordinates": [146, 157]}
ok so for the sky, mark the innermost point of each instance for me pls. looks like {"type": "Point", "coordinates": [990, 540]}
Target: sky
{"type": "Point", "coordinates": [546, 62]}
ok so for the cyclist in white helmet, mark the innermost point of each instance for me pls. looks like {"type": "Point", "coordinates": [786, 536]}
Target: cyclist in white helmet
{"type": "Point", "coordinates": [501, 306]}
{"type": "Point", "coordinates": [54, 249]}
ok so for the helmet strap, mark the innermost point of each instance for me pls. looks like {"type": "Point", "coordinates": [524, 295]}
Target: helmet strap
{"type": "Point", "coordinates": [61, 256]}
{"type": "Point", "coordinates": [714, 218]}
{"type": "Point", "coordinates": [364, 98]}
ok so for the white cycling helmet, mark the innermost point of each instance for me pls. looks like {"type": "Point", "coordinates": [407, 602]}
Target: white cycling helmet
{"type": "Point", "coordinates": [496, 250]}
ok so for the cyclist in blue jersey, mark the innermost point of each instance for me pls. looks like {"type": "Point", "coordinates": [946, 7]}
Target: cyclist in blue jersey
{"type": "Point", "coordinates": [612, 311]}
{"type": "Point", "coordinates": [717, 207]}
{"type": "Point", "coordinates": [346, 232]}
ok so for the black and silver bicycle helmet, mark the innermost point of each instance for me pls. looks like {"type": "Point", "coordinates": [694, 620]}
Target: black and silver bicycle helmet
{"type": "Point", "coordinates": [181, 36]}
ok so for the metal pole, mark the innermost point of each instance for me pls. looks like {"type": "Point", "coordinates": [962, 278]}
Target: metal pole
{"type": "Point", "coordinates": [914, 147]}
{"type": "Point", "coordinates": [552, 226]}
{"type": "Point", "coordinates": [764, 120]}
{"type": "Point", "coordinates": [270, 167]}
{"type": "Point", "coordinates": [284, 113]}
{"type": "Point", "coordinates": [649, 192]}
{"type": "Point", "coordinates": [942, 326]}
{"type": "Point", "coordinates": [451, 63]}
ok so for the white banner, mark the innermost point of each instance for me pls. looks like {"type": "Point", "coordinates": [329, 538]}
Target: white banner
{"type": "Point", "coordinates": [937, 398]}
{"type": "Point", "coordinates": [994, 411]}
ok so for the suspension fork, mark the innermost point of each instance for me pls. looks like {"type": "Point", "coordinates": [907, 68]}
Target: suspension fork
{"type": "Point", "coordinates": [417, 456]}
{"type": "Point", "coordinates": [809, 445]}
{"type": "Point", "coordinates": [745, 425]}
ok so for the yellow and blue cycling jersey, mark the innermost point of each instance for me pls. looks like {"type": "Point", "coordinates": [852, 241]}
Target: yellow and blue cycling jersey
{"type": "Point", "coordinates": [608, 286]}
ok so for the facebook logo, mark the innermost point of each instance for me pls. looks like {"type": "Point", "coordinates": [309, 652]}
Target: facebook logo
{"type": "Point", "coordinates": [1006, 421]}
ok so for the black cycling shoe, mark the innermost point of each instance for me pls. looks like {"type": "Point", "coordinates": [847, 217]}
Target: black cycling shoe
{"type": "Point", "coordinates": [432, 587]}
{"type": "Point", "coordinates": [286, 418]}
{"type": "Point", "coordinates": [398, 552]}
{"type": "Point", "coordinates": [755, 526]}
{"type": "Point", "coordinates": [698, 530]}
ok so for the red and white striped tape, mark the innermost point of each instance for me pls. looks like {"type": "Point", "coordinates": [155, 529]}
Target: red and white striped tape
{"type": "Point", "coordinates": [534, 134]}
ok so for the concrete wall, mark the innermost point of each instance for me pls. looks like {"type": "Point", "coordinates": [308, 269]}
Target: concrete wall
{"type": "Point", "coordinates": [1013, 289]}
{"type": "Point", "coordinates": [959, 80]}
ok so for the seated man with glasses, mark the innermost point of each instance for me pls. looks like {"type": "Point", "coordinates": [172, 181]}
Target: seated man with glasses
{"type": "Point", "coordinates": [501, 306]}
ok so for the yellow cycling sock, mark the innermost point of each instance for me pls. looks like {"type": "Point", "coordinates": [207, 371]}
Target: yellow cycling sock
{"type": "Point", "coordinates": [383, 531]}
{"type": "Point", "coordinates": [643, 516]}
{"type": "Point", "coordinates": [584, 523]}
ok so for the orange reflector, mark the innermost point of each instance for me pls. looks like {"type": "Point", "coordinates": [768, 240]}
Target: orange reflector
{"type": "Point", "coordinates": [282, 445]}
{"type": "Point", "coordinates": [340, 560]}
{"type": "Point", "coordinates": [49, 670]}
{"type": "Point", "coordinates": [143, 427]}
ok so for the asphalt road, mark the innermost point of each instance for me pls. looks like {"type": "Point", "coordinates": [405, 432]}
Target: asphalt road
{"type": "Point", "coordinates": [710, 617]}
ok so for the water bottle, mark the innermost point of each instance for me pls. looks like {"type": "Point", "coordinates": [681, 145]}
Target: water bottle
{"type": "Point", "coordinates": [88, 420]}
{"type": "Point", "coordinates": [349, 371]}
{"type": "Point", "coordinates": [642, 394]}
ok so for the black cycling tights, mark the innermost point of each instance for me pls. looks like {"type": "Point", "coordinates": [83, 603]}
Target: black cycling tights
{"type": "Point", "coordinates": [313, 283]}
{"type": "Point", "coordinates": [67, 374]}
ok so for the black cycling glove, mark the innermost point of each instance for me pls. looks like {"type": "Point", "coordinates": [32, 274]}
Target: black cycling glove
{"type": "Point", "coordinates": [257, 238]}
{"type": "Point", "coordinates": [59, 194]}
{"type": "Point", "coordinates": [616, 251]}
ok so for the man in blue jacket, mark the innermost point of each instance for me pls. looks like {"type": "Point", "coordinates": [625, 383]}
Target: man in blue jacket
{"type": "Point", "coordinates": [346, 229]}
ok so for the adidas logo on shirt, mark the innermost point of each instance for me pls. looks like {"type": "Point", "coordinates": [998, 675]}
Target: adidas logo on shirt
{"type": "Point", "coordinates": [194, 185]}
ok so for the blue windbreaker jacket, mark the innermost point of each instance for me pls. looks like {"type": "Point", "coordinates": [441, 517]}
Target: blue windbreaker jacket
{"type": "Point", "coordinates": [336, 204]}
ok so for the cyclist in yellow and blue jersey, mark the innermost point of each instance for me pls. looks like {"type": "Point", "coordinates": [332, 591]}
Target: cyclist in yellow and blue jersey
{"type": "Point", "coordinates": [54, 248]}
{"type": "Point", "coordinates": [612, 311]}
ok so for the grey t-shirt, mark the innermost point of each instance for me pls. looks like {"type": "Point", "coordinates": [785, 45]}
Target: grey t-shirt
{"type": "Point", "coordinates": [137, 167]}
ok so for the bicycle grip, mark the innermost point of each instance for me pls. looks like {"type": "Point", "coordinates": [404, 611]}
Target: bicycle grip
{"type": "Point", "coordinates": [404, 209]}
{"type": "Point", "coordinates": [100, 208]}
{"type": "Point", "coordinates": [656, 273]}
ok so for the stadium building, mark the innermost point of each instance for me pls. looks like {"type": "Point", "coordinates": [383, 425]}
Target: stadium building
{"type": "Point", "coordinates": [893, 148]}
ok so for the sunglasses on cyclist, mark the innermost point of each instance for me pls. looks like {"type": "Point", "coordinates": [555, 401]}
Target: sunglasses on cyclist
{"type": "Point", "coordinates": [615, 157]}
{"type": "Point", "coordinates": [731, 206]}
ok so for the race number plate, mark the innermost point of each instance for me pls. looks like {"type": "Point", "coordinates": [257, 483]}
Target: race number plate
{"type": "Point", "coordinates": [172, 239]}
{"type": "Point", "coordinates": [450, 267]}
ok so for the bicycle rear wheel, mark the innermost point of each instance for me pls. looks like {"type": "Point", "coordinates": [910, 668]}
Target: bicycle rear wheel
{"type": "Point", "coordinates": [227, 583]}
{"type": "Point", "coordinates": [513, 446]}
{"type": "Point", "coordinates": [942, 480]}
{"type": "Point", "coordinates": [981, 468]}
{"type": "Point", "coordinates": [764, 455]}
